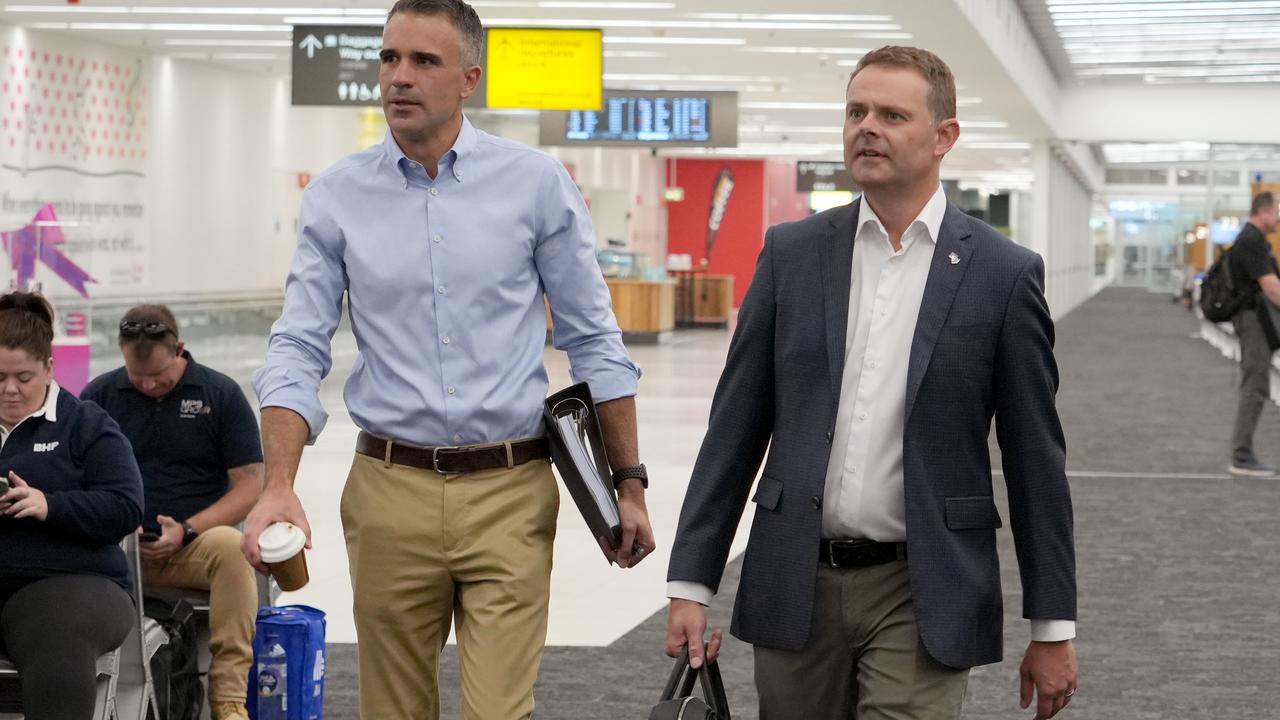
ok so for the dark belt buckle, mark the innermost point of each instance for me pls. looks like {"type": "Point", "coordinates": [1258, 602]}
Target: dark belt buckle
{"type": "Point", "coordinates": [831, 550]}
{"type": "Point", "coordinates": [435, 457]}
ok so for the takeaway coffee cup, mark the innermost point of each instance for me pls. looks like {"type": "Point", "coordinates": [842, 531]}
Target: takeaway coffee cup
{"type": "Point", "coordinates": [281, 545]}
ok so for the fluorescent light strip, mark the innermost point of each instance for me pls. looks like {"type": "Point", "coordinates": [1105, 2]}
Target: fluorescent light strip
{"type": "Point", "coordinates": [157, 27]}
{"type": "Point", "coordinates": [1185, 59]}
{"type": "Point", "coordinates": [605, 5]}
{"type": "Point", "coordinates": [160, 10]}
{"type": "Point", "coordinates": [664, 87]}
{"type": "Point", "coordinates": [683, 24]}
{"type": "Point", "coordinates": [778, 105]}
{"type": "Point", "coordinates": [622, 40]}
{"type": "Point", "coordinates": [783, 50]}
{"type": "Point", "coordinates": [300, 20]}
{"type": "Point", "coordinates": [229, 43]}
{"type": "Point", "coordinates": [663, 77]}
{"type": "Point", "coordinates": [1160, 14]}
{"type": "Point", "coordinates": [633, 54]}
{"type": "Point", "coordinates": [225, 56]}
{"type": "Point", "coordinates": [792, 17]}
{"type": "Point", "coordinates": [984, 124]}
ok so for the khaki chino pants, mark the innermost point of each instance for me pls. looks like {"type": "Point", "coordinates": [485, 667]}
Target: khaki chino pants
{"type": "Point", "coordinates": [427, 550]}
{"type": "Point", "coordinates": [213, 562]}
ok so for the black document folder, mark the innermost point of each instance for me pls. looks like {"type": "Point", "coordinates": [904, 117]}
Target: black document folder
{"type": "Point", "coordinates": [577, 450]}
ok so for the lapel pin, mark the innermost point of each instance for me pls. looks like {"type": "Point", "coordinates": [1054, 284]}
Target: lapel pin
{"type": "Point", "coordinates": [955, 259]}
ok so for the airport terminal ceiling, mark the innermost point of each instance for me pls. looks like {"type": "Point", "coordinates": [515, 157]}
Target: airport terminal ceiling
{"type": "Point", "coordinates": [788, 66]}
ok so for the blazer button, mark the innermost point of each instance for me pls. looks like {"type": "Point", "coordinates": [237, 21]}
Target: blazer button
{"type": "Point", "coordinates": [828, 437]}
{"type": "Point", "coordinates": [817, 502]}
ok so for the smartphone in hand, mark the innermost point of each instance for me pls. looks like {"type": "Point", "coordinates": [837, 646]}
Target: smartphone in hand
{"type": "Point", "coordinates": [148, 537]}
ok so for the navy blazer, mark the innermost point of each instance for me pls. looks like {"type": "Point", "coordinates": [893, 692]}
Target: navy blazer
{"type": "Point", "coordinates": [983, 347]}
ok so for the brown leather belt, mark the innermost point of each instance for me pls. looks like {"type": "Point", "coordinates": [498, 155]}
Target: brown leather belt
{"type": "Point", "coordinates": [454, 460]}
{"type": "Point", "coordinates": [859, 553]}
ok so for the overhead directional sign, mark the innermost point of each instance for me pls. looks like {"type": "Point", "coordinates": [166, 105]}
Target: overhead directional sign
{"type": "Point", "coordinates": [544, 69]}
{"type": "Point", "coordinates": [336, 64]}
{"type": "Point", "coordinates": [821, 175]}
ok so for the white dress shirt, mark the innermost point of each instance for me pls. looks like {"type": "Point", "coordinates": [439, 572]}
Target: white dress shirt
{"type": "Point", "coordinates": [864, 495]}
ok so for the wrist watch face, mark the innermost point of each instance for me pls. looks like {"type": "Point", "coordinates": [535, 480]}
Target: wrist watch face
{"type": "Point", "coordinates": [188, 534]}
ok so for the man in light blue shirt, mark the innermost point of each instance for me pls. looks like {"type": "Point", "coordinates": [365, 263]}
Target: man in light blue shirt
{"type": "Point", "coordinates": [444, 240]}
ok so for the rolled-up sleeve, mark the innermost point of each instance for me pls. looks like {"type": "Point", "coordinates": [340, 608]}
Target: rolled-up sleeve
{"type": "Point", "coordinates": [581, 310]}
{"type": "Point", "coordinates": [299, 351]}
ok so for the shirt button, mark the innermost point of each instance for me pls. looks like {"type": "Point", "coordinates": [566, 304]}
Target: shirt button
{"type": "Point", "coordinates": [871, 364]}
{"type": "Point", "coordinates": [884, 311]}
{"type": "Point", "coordinates": [862, 416]}
{"type": "Point", "coordinates": [436, 238]}
{"type": "Point", "coordinates": [450, 389]}
{"type": "Point", "coordinates": [440, 289]}
{"type": "Point", "coordinates": [435, 191]}
{"type": "Point", "coordinates": [445, 340]}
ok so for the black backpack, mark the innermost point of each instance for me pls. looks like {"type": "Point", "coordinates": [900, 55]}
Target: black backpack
{"type": "Point", "coordinates": [175, 668]}
{"type": "Point", "coordinates": [1219, 300]}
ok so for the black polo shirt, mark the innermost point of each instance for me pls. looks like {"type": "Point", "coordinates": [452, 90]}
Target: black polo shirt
{"type": "Point", "coordinates": [1251, 258]}
{"type": "Point", "coordinates": [184, 442]}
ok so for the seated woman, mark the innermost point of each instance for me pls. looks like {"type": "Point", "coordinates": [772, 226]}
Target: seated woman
{"type": "Point", "coordinates": [73, 492]}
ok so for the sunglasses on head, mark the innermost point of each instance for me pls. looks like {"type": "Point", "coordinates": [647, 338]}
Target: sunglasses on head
{"type": "Point", "coordinates": [153, 330]}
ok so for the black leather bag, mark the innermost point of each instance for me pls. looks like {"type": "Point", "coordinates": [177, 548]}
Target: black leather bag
{"type": "Point", "coordinates": [713, 705]}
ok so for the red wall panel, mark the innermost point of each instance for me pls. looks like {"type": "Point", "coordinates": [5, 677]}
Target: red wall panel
{"type": "Point", "coordinates": [738, 240]}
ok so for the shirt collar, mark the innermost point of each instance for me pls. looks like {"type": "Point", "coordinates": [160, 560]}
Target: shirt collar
{"type": "Point", "coordinates": [930, 217]}
{"type": "Point", "coordinates": [50, 408]}
{"type": "Point", "coordinates": [452, 161]}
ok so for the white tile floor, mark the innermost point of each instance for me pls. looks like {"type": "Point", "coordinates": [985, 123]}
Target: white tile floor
{"type": "Point", "coordinates": [592, 603]}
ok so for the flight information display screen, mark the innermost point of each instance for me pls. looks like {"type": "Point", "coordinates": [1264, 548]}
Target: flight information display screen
{"type": "Point", "coordinates": [643, 119]}
{"type": "Point", "coordinates": [653, 118]}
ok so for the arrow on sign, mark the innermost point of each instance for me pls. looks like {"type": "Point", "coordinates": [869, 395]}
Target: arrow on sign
{"type": "Point", "coordinates": [311, 44]}
{"type": "Point", "coordinates": [39, 241]}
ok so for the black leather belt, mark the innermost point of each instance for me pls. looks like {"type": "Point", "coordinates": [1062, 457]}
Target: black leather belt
{"type": "Point", "coordinates": [454, 460]}
{"type": "Point", "coordinates": [859, 553]}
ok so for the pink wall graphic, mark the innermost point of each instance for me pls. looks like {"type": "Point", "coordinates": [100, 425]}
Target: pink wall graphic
{"type": "Point", "coordinates": [63, 108]}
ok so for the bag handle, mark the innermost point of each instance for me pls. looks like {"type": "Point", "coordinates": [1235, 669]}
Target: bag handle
{"type": "Point", "coordinates": [677, 673]}
{"type": "Point", "coordinates": [683, 678]}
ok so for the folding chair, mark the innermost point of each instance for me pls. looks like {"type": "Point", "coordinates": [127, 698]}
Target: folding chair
{"type": "Point", "coordinates": [124, 690]}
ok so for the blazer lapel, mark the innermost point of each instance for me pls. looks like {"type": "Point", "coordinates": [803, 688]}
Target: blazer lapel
{"type": "Point", "coordinates": [837, 268]}
{"type": "Point", "coordinates": [939, 291]}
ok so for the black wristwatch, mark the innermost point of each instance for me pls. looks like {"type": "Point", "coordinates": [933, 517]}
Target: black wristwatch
{"type": "Point", "coordinates": [635, 471]}
{"type": "Point", "coordinates": [189, 534]}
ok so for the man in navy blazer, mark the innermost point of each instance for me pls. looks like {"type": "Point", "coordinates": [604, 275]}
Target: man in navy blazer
{"type": "Point", "coordinates": [873, 348]}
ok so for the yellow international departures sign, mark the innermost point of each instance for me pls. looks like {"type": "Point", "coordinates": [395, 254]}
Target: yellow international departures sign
{"type": "Point", "coordinates": [545, 68]}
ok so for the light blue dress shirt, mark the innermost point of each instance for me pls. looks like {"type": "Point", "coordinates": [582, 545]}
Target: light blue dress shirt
{"type": "Point", "coordinates": [444, 281]}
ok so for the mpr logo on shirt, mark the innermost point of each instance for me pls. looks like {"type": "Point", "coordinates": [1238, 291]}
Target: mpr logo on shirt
{"type": "Point", "coordinates": [45, 447]}
{"type": "Point", "coordinates": [192, 408]}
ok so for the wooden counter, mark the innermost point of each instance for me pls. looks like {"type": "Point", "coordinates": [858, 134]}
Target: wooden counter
{"type": "Point", "coordinates": [645, 309]}
{"type": "Point", "coordinates": [704, 300]}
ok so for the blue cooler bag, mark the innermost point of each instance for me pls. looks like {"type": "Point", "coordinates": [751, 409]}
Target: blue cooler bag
{"type": "Point", "coordinates": [287, 678]}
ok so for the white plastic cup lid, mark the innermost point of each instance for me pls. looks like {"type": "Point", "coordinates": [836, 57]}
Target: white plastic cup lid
{"type": "Point", "coordinates": [281, 541]}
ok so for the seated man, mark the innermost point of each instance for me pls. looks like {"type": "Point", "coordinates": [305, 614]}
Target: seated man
{"type": "Point", "coordinates": [197, 443]}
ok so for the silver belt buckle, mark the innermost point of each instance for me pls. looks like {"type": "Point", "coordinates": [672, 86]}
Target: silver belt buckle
{"type": "Point", "coordinates": [435, 457]}
{"type": "Point", "coordinates": [831, 554]}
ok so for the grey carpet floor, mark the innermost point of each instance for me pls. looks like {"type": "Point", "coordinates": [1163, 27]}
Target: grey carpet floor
{"type": "Point", "coordinates": [1179, 576]}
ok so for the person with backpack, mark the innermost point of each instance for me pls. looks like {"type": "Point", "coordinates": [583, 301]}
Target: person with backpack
{"type": "Point", "coordinates": [196, 440]}
{"type": "Point", "coordinates": [1254, 273]}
